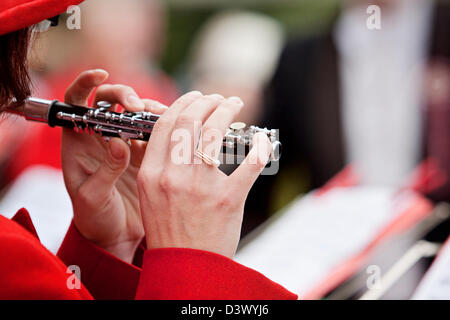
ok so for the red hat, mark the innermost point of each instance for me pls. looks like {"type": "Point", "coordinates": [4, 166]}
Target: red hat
{"type": "Point", "coordinates": [18, 14]}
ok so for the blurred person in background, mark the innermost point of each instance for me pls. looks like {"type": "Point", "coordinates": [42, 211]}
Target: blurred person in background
{"type": "Point", "coordinates": [124, 37]}
{"type": "Point", "coordinates": [236, 53]}
{"type": "Point", "coordinates": [127, 38]}
{"type": "Point", "coordinates": [378, 99]}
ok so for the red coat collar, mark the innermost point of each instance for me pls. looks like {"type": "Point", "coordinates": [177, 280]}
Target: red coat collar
{"type": "Point", "coordinates": [23, 218]}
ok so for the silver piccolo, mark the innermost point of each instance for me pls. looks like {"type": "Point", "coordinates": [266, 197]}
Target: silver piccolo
{"type": "Point", "coordinates": [136, 126]}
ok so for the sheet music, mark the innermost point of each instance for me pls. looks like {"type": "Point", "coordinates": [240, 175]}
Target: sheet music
{"type": "Point", "coordinates": [436, 283]}
{"type": "Point", "coordinates": [315, 234]}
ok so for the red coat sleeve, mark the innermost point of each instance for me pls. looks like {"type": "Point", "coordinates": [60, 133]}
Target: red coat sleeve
{"type": "Point", "coordinates": [104, 275]}
{"type": "Point", "coordinates": [29, 271]}
{"type": "Point", "coordinates": [188, 274]}
{"type": "Point", "coordinates": [166, 274]}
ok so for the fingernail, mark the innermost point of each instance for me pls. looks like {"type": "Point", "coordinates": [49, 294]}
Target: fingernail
{"type": "Point", "coordinates": [99, 81]}
{"type": "Point", "coordinates": [236, 100]}
{"type": "Point", "coordinates": [154, 105]}
{"type": "Point", "coordinates": [134, 101]}
{"type": "Point", "coordinates": [195, 93]}
{"type": "Point", "coordinates": [116, 150]}
{"type": "Point", "coordinates": [217, 96]}
{"type": "Point", "coordinates": [100, 70]}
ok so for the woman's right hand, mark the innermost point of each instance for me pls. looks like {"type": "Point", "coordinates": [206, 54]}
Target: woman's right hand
{"type": "Point", "coordinates": [191, 204]}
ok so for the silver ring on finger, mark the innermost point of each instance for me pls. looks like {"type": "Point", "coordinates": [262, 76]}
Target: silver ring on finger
{"type": "Point", "coordinates": [207, 159]}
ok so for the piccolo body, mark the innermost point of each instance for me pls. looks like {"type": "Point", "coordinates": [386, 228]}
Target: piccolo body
{"type": "Point", "coordinates": [136, 126]}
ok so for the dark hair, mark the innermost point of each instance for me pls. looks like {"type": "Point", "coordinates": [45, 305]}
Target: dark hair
{"type": "Point", "coordinates": [14, 77]}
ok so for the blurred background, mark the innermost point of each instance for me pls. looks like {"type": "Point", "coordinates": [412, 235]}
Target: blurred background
{"type": "Point", "coordinates": [341, 95]}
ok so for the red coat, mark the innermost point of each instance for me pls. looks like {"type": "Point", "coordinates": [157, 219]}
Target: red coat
{"type": "Point", "coordinates": [29, 271]}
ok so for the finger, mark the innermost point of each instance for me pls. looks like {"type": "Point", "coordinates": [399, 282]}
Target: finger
{"type": "Point", "coordinates": [120, 94]}
{"type": "Point", "coordinates": [217, 124]}
{"type": "Point", "coordinates": [201, 109]}
{"type": "Point", "coordinates": [137, 152]}
{"type": "Point", "coordinates": [79, 91]}
{"type": "Point", "coordinates": [158, 146]}
{"type": "Point", "coordinates": [115, 163]}
{"type": "Point", "coordinates": [138, 147]}
{"type": "Point", "coordinates": [246, 174]}
{"type": "Point", "coordinates": [154, 106]}
{"type": "Point", "coordinates": [190, 121]}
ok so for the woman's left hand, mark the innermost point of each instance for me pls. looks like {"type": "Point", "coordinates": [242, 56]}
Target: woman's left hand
{"type": "Point", "coordinates": [101, 176]}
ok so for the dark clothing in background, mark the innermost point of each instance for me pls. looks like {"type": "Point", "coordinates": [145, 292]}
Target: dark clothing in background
{"type": "Point", "coordinates": [303, 101]}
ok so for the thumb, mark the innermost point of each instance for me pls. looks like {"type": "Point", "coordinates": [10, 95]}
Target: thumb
{"type": "Point", "coordinates": [246, 174]}
{"type": "Point", "coordinates": [115, 163]}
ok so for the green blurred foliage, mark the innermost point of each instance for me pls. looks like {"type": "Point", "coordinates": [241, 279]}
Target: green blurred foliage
{"type": "Point", "coordinates": [186, 17]}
